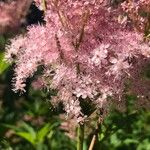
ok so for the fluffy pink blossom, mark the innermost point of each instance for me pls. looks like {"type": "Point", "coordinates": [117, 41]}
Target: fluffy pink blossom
{"type": "Point", "coordinates": [12, 14]}
{"type": "Point", "coordinates": [99, 54]}
{"type": "Point", "coordinates": [85, 51]}
{"type": "Point", "coordinates": [138, 12]}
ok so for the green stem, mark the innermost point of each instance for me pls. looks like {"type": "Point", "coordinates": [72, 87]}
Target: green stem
{"type": "Point", "coordinates": [80, 138]}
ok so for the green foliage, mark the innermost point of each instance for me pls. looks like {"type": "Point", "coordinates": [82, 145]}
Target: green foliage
{"type": "Point", "coordinates": [3, 64]}
{"type": "Point", "coordinates": [27, 132]}
{"type": "Point", "coordinates": [126, 131]}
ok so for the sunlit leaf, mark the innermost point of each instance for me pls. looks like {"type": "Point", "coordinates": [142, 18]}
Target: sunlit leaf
{"type": "Point", "coordinates": [3, 64]}
{"type": "Point", "coordinates": [27, 136]}
{"type": "Point", "coordinates": [29, 129]}
{"type": "Point", "coordinates": [43, 132]}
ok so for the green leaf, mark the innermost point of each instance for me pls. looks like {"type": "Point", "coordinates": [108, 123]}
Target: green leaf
{"type": "Point", "coordinates": [43, 132]}
{"type": "Point", "coordinates": [144, 145]}
{"type": "Point", "coordinates": [41, 147]}
{"type": "Point", "coordinates": [14, 128]}
{"type": "Point", "coordinates": [27, 136]}
{"type": "Point", "coordinates": [25, 131]}
{"type": "Point", "coordinates": [29, 129]}
{"type": "Point", "coordinates": [130, 141]}
{"type": "Point", "coordinates": [3, 64]}
{"type": "Point", "coordinates": [114, 140]}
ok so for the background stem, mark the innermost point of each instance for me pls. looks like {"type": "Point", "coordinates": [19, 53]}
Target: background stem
{"type": "Point", "coordinates": [92, 142]}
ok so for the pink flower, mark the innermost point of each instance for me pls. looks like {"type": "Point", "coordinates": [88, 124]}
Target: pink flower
{"type": "Point", "coordinates": [99, 54]}
{"type": "Point", "coordinates": [85, 51]}
{"type": "Point", "coordinates": [118, 65]}
{"type": "Point", "coordinates": [10, 21]}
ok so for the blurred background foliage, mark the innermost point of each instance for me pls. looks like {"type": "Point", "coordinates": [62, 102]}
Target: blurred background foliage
{"type": "Point", "coordinates": [28, 121]}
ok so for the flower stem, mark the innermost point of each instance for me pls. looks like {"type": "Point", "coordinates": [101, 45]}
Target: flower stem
{"type": "Point", "coordinates": [80, 138]}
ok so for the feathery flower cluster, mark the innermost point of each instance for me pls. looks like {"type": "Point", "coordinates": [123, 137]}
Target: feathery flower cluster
{"type": "Point", "coordinates": [138, 12]}
{"type": "Point", "coordinates": [86, 53]}
{"type": "Point", "coordinates": [12, 14]}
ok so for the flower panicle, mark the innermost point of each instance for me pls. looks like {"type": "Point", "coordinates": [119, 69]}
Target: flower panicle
{"type": "Point", "coordinates": [93, 69]}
